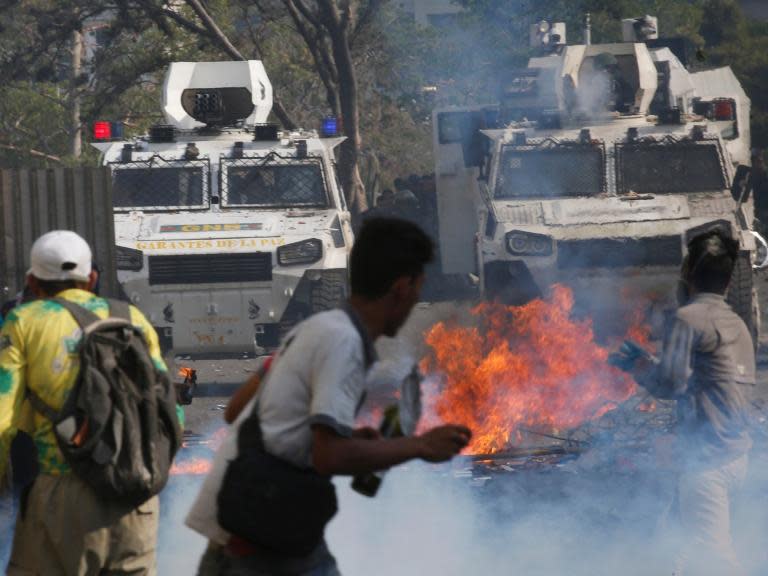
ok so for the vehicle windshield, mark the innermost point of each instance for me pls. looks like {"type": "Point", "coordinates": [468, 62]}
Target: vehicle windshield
{"type": "Point", "coordinates": [280, 185]}
{"type": "Point", "coordinates": [567, 171]}
{"type": "Point", "coordinates": [669, 168]}
{"type": "Point", "coordinates": [158, 185]}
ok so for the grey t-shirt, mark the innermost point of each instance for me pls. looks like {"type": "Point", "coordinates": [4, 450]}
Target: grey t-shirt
{"type": "Point", "coordinates": [708, 366]}
{"type": "Point", "coordinates": [318, 377]}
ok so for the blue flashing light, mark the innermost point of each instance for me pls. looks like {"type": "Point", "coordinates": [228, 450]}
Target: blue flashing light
{"type": "Point", "coordinates": [330, 127]}
{"type": "Point", "coordinates": [117, 130]}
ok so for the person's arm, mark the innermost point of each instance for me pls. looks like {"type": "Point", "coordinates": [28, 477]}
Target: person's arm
{"type": "Point", "coordinates": [12, 383]}
{"type": "Point", "coordinates": [243, 395]}
{"type": "Point", "coordinates": [333, 454]}
{"type": "Point", "coordinates": [338, 376]}
{"type": "Point", "coordinates": [669, 378]}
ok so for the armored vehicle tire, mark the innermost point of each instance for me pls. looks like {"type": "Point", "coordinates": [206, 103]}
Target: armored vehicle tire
{"type": "Point", "coordinates": [324, 294]}
{"type": "Point", "coordinates": [295, 313]}
{"type": "Point", "coordinates": [328, 292]}
{"type": "Point", "coordinates": [741, 295]}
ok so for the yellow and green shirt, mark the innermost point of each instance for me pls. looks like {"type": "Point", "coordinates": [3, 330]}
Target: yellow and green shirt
{"type": "Point", "coordinates": [38, 350]}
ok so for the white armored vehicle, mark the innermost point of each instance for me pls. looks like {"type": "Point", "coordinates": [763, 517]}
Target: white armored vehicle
{"type": "Point", "coordinates": [227, 230]}
{"type": "Point", "coordinates": [598, 165]}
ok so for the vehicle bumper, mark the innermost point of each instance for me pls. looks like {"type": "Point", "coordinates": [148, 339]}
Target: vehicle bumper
{"type": "Point", "coordinates": [203, 319]}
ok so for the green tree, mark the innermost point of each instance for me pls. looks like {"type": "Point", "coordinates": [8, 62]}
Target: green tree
{"type": "Point", "coordinates": [68, 63]}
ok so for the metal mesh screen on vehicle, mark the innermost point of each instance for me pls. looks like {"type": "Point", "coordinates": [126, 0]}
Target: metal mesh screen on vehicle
{"type": "Point", "coordinates": [669, 168]}
{"type": "Point", "coordinates": [158, 184]}
{"type": "Point", "coordinates": [559, 171]}
{"type": "Point", "coordinates": [273, 181]}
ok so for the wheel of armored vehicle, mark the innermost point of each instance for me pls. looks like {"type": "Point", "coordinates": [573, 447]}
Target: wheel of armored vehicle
{"type": "Point", "coordinates": [742, 297]}
{"type": "Point", "coordinates": [329, 291]}
{"type": "Point", "coordinates": [326, 293]}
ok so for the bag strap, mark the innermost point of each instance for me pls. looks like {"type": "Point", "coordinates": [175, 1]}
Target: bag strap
{"type": "Point", "coordinates": [250, 434]}
{"type": "Point", "coordinates": [82, 315]}
{"type": "Point", "coordinates": [369, 352]}
{"type": "Point", "coordinates": [119, 309]}
{"type": "Point", "coordinates": [84, 318]}
{"type": "Point", "coordinates": [40, 405]}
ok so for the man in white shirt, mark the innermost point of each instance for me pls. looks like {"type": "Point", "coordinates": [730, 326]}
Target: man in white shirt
{"type": "Point", "coordinates": [310, 397]}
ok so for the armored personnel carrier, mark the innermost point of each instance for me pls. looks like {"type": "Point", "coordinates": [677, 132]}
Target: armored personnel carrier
{"type": "Point", "coordinates": [228, 231]}
{"type": "Point", "coordinates": [596, 167]}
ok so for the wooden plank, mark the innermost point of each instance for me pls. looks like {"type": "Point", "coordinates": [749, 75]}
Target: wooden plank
{"type": "Point", "coordinates": [15, 225]}
{"type": "Point", "coordinates": [59, 196]}
{"type": "Point", "coordinates": [90, 227]}
{"type": "Point", "coordinates": [6, 235]}
{"type": "Point", "coordinates": [33, 202]}
{"type": "Point", "coordinates": [78, 200]}
{"type": "Point", "coordinates": [27, 230]}
{"type": "Point", "coordinates": [39, 202]}
{"type": "Point", "coordinates": [99, 246]}
{"type": "Point", "coordinates": [109, 231]}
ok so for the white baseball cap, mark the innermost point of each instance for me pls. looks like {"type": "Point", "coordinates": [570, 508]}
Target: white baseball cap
{"type": "Point", "coordinates": [60, 255]}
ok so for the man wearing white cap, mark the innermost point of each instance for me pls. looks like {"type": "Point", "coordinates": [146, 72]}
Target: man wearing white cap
{"type": "Point", "coordinates": [63, 527]}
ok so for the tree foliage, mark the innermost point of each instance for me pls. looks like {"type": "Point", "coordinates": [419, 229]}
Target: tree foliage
{"type": "Point", "coordinates": [717, 28]}
{"type": "Point", "coordinates": [401, 69]}
{"type": "Point", "coordinates": [124, 54]}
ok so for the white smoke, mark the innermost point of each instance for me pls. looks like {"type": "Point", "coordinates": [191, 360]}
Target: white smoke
{"type": "Point", "coordinates": [433, 520]}
{"type": "Point", "coordinates": [578, 518]}
{"type": "Point", "coordinates": [179, 548]}
{"type": "Point", "coordinates": [594, 94]}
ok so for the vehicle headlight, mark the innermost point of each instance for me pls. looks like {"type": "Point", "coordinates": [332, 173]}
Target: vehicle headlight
{"type": "Point", "coordinates": [528, 244]}
{"type": "Point", "coordinates": [304, 252]}
{"type": "Point", "coordinates": [129, 259]}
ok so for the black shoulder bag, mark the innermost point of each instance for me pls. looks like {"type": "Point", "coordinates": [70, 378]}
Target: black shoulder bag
{"type": "Point", "coordinates": [269, 501]}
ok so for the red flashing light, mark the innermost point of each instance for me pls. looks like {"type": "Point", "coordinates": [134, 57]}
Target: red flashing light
{"type": "Point", "coordinates": [102, 130]}
{"type": "Point", "coordinates": [724, 110]}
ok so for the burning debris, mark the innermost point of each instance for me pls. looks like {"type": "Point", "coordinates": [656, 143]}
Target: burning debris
{"type": "Point", "coordinates": [531, 381]}
{"type": "Point", "coordinates": [185, 390]}
{"type": "Point", "coordinates": [197, 452]}
{"type": "Point", "coordinates": [532, 367]}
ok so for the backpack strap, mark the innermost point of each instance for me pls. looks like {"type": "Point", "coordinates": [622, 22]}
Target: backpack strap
{"type": "Point", "coordinates": [40, 406]}
{"type": "Point", "coordinates": [84, 318]}
{"type": "Point", "coordinates": [82, 315]}
{"type": "Point", "coordinates": [119, 309]}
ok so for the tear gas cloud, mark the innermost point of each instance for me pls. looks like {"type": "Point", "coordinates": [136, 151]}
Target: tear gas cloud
{"type": "Point", "coordinates": [426, 521]}
{"type": "Point", "coordinates": [608, 511]}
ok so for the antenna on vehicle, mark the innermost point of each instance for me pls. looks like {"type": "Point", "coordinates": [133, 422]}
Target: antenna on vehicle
{"type": "Point", "coordinates": [588, 30]}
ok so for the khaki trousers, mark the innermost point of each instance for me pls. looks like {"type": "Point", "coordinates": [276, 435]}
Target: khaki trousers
{"type": "Point", "coordinates": [67, 531]}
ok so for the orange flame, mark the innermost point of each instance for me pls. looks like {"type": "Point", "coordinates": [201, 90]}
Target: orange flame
{"type": "Point", "coordinates": [185, 372]}
{"type": "Point", "coordinates": [530, 366]}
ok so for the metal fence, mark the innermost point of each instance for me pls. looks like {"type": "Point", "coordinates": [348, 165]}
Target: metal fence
{"type": "Point", "coordinates": [33, 202]}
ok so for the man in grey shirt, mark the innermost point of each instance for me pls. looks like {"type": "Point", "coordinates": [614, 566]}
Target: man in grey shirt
{"type": "Point", "coordinates": [309, 398]}
{"type": "Point", "coordinates": [707, 364]}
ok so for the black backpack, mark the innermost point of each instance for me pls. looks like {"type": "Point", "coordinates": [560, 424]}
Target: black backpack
{"type": "Point", "coordinates": [118, 428]}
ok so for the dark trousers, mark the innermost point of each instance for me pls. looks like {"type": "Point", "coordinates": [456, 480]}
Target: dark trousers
{"type": "Point", "coordinates": [217, 562]}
